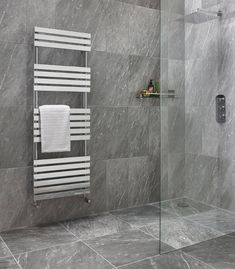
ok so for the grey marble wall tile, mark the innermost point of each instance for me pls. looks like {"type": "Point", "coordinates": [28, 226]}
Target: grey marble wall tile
{"type": "Point", "coordinates": [176, 129]}
{"type": "Point", "coordinates": [141, 70]}
{"type": "Point", "coordinates": [164, 152]}
{"type": "Point", "coordinates": [201, 81]}
{"type": "Point", "coordinates": [228, 8]}
{"type": "Point", "coordinates": [144, 3]}
{"type": "Point", "coordinates": [23, 240]}
{"type": "Point", "coordinates": [91, 227]}
{"type": "Point", "coordinates": [13, 21]}
{"type": "Point", "coordinates": [154, 168]}
{"type": "Point", "coordinates": [218, 252]}
{"type": "Point", "coordinates": [125, 247]}
{"type": "Point", "coordinates": [15, 87]}
{"type": "Point", "coordinates": [154, 131]}
{"type": "Point", "coordinates": [138, 131]}
{"type": "Point", "coordinates": [227, 56]}
{"type": "Point", "coordinates": [176, 37]}
{"type": "Point", "coordinates": [172, 35]}
{"type": "Point", "coordinates": [36, 10]}
{"type": "Point", "coordinates": [176, 7]}
{"type": "Point", "coordinates": [64, 256]}
{"type": "Point", "coordinates": [15, 192]}
{"type": "Point", "coordinates": [144, 32]}
{"type": "Point", "coordinates": [201, 176]}
{"type": "Point", "coordinates": [110, 73]}
{"type": "Point", "coordinates": [117, 183]}
{"type": "Point", "coordinates": [138, 184]}
{"type": "Point", "coordinates": [206, 32]}
{"type": "Point", "coordinates": [176, 260]}
{"type": "Point", "coordinates": [211, 132]}
{"type": "Point", "coordinates": [193, 131]}
{"type": "Point", "coordinates": [227, 184]}
{"type": "Point", "coordinates": [16, 136]}
{"type": "Point", "coordinates": [176, 175]}
{"type": "Point", "coordinates": [73, 15]}
{"type": "Point", "coordinates": [117, 18]}
{"type": "Point", "coordinates": [143, 215]}
{"type": "Point", "coordinates": [192, 5]}
{"type": "Point", "coordinates": [210, 3]}
{"type": "Point", "coordinates": [106, 126]}
{"type": "Point", "coordinates": [8, 263]}
{"type": "Point", "coordinates": [176, 77]}
{"type": "Point", "coordinates": [98, 62]}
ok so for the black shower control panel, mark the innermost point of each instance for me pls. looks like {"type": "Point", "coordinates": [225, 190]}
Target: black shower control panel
{"type": "Point", "coordinates": [220, 108]}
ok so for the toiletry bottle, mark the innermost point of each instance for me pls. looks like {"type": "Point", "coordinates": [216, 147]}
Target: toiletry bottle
{"type": "Point", "coordinates": [151, 86]}
{"type": "Point", "coordinates": [157, 86]}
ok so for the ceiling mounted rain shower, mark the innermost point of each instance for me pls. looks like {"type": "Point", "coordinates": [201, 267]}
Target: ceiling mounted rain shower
{"type": "Point", "coordinates": [201, 15]}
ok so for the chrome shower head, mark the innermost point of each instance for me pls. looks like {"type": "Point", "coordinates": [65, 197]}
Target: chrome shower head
{"type": "Point", "coordinates": [201, 15]}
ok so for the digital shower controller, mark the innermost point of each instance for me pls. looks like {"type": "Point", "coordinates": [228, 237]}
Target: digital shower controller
{"type": "Point", "coordinates": [220, 108]}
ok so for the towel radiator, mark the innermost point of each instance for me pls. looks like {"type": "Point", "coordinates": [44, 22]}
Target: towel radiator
{"type": "Point", "coordinates": [69, 176]}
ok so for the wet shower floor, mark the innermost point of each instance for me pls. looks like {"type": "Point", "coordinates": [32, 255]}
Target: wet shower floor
{"type": "Point", "coordinates": [128, 239]}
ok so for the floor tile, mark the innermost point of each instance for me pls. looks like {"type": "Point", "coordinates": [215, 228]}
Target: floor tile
{"type": "Point", "coordinates": [69, 256]}
{"type": "Point", "coordinates": [217, 219]}
{"type": "Point", "coordinates": [218, 252]}
{"type": "Point", "coordinates": [184, 206]}
{"type": "Point", "coordinates": [173, 260]}
{"type": "Point", "coordinates": [4, 251]}
{"type": "Point", "coordinates": [8, 263]}
{"type": "Point", "coordinates": [125, 247]}
{"type": "Point", "coordinates": [180, 232]}
{"type": "Point", "coordinates": [96, 226]}
{"type": "Point", "coordinates": [141, 216]}
{"type": "Point", "coordinates": [24, 240]}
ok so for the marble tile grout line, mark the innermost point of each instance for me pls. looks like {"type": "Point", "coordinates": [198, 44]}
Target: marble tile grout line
{"type": "Point", "coordinates": [12, 254]}
{"type": "Point", "coordinates": [198, 259]}
{"type": "Point", "coordinates": [48, 247]}
{"type": "Point", "coordinates": [137, 228]}
{"type": "Point", "coordinates": [202, 225]}
{"type": "Point", "coordinates": [89, 246]}
{"type": "Point", "coordinates": [130, 263]}
{"type": "Point", "coordinates": [213, 206]}
{"type": "Point", "coordinates": [43, 248]}
{"type": "Point", "coordinates": [98, 254]}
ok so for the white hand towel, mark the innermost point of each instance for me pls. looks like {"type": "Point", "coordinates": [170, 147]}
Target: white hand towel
{"type": "Point", "coordinates": [55, 128]}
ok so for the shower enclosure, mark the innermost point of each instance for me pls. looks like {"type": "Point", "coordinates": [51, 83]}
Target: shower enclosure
{"type": "Point", "coordinates": [197, 151]}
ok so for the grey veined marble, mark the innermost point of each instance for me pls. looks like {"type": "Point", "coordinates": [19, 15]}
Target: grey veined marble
{"type": "Point", "coordinates": [69, 256]}
{"type": "Point", "coordinates": [141, 216]}
{"type": "Point", "coordinates": [218, 252]}
{"type": "Point", "coordinates": [4, 251]}
{"type": "Point", "coordinates": [180, 232]}
{"type": "Point", "coordinates": [30, 239]}
{"type": "Point", "coordinates": [125, 247]}
{"type": "Point", "coordinates": [96, 226]}
{"type": "Point", "coordinates": [174, 260]}
{"type": "Point", "coordinates": [184, 206]}
{"type": "Point", "coordinates": [8, 263]}
{"type": "Point", "coordinates": [217, 219]}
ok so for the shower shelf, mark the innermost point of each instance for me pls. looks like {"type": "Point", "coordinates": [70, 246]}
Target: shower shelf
{"type": "Point", "coordinates": [157, 95]}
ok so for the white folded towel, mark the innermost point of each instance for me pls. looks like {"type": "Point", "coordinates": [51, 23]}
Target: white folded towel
{"type": "Point", "coordinates": [55, 128]}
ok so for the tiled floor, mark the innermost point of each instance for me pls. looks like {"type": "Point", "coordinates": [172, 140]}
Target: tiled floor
{"type": "Point", "coordinates": [128, 239]}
